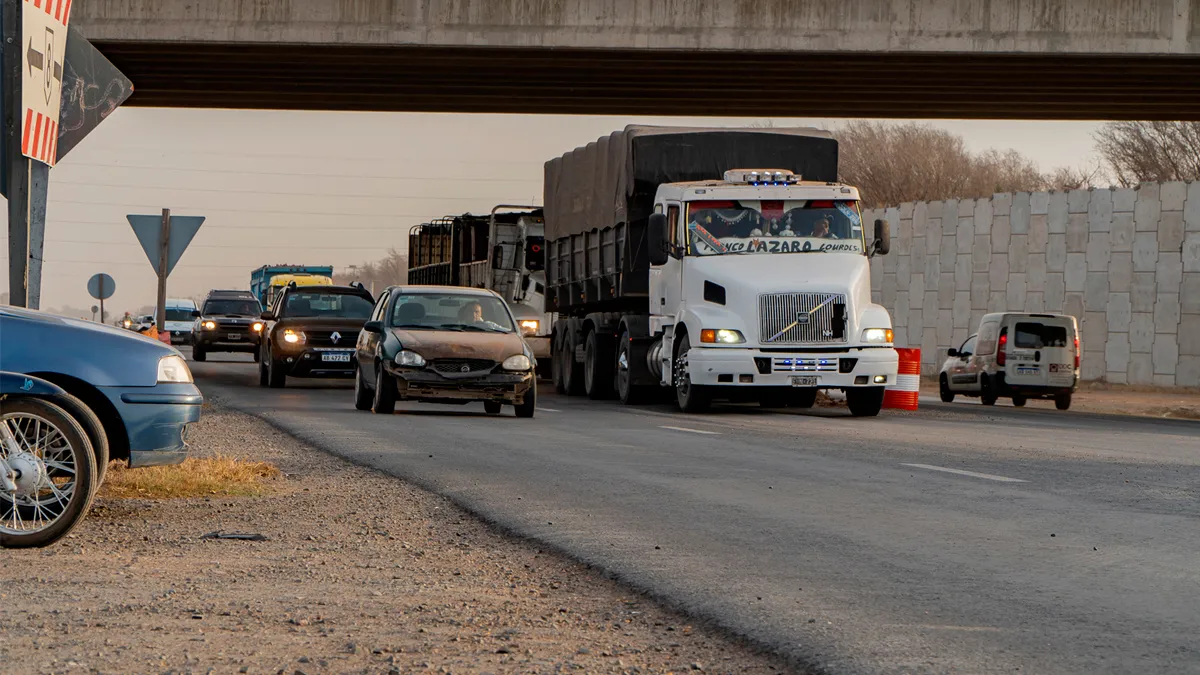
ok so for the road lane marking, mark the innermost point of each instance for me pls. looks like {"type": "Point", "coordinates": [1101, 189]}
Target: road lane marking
{"type": "Point", "coordinates": [548, 410]}
{"type": "Point", "coordinates": [972, 474]}
{"type": "Point", "coordinates": [691, 431]}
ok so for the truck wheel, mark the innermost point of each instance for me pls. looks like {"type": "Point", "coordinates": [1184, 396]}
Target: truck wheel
{"type": "Point", "coordinates": [525, 408]}
{"type": "Point", "coordinates": [865, 401]}
{"type": "Point", "coordinates": [690, 398]}
{"type": "Point", "coordinates": [1019, 401]}
{"type": "Point", "coordinates": [198, 354]}
{"type": "Point", "coordinates": [384, 401]}
{"type": "Point", "coordinates": [276, 378]}
{"type": "Point", "coordinates": [362, 394]}
{"type": "Point", "coordinates": [597, 366]}
{"type": "Point", "coordinates": [572, 372]}
{"type": "Point", "coordinates": [803, 398]}
{"type": "Point", "coordinates": [556, 366]}
{"type": "Point", "coordinates": [629, 393]}
{"type": "Point", "coordinates": [944, 389]}
{"type": "Point", "coordinates": [1062, 401]}
{"type": "Point", "coordinates": [774, 398]}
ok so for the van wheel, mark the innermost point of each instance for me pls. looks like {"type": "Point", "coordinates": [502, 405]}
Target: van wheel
{"type": "Point", "coordinates": [1062, 401]}
{"type": "Point", "coordinates": [1020, 401]}
{"type": "Point", "coordinates": [944, 389]}
{"type": "Point", "coordinates": [865, 401]}
{"type": "Point", "coordinates": [987, 396]}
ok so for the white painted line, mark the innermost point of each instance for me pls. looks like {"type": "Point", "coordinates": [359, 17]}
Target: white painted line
{"type": "Point", "coordinates": [548, 410]}
{"type": "Point", "coordinates": [692, 431]}
{"type": "Point", "coordinates": [972, 474]}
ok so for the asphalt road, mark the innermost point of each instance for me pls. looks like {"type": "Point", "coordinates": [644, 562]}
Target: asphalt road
{"type": "Point", "coordinates": [954, 539]}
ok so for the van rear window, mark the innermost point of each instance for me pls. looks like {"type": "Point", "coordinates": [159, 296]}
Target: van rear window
{"type": "Point", "coordinates": [1040, 336]}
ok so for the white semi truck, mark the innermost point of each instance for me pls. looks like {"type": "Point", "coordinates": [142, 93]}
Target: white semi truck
{"type": "Point", "coordinates": [725, 264]}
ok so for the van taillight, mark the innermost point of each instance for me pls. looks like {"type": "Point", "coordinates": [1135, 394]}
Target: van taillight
{"type": "Point", "coordinates": [1076, 352]}
{"type": "Point", "coordinates": [1001, 356]}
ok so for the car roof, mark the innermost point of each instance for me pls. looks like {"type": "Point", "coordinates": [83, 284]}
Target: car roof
{"type": "Point", "coordinates": [457, 290]}
{"type": "Point", "coordinates": [231, 294]}
{"type": "Point", "coordinates": [344, 290]}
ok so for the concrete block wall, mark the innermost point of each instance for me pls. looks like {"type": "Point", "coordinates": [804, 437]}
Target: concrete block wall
{"type": "Point", "coordinates": [1125, 262]}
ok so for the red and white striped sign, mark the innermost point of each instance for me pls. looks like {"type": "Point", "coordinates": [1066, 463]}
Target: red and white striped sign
{"type": "Point", "coordinates": [44, 26]}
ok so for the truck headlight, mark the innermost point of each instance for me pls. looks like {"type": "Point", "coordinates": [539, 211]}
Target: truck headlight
{"type": "Point", "coordinates": [877, 336]}
{"type": "Point", "coordinates": [530, 326]}
{"type": "Point", "coordinates": [258, 326]}
{"type": "Point", "coordinates": [519, 362]}
{"type": "Point", "coordinates": [722, 335]}
{"type": "Point", "coordinates": [293, 337]}
{"type": "Point", "coordinates": [174, 369]}
{"type": "Point", "coordinates": [210, 325]}
{"type": "Point", "coordinates": [410, 359]}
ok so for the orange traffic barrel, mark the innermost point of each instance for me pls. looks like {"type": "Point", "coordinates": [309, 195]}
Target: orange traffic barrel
{"type": "Point", "coordinates": [164, 336]}
{"type": "Point", "coordinates": [904, 393]}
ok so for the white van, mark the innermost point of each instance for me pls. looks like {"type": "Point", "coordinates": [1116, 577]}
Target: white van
{"type": "Point", "coordinates": [1018, 356]}
{"type": "Point", "coordinates": [180, 319]}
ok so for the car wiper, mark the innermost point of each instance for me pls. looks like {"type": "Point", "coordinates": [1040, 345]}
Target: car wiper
{"type": "Point", "coordinates": [463, 327]}
{"type": "Point", "coordinates": [416, 326]}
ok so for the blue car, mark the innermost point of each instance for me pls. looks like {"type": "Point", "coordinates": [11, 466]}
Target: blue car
{"type": "Point", "coordinates": [133, 395]}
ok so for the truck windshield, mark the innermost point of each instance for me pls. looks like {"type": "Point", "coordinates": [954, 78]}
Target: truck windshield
{"type": "Point", "coordinates": [451, 311]}
{"type": "Point", "coordinates": [793, 226]}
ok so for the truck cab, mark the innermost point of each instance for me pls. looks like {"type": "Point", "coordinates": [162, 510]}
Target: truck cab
{"type": "Point", "coordinates": [760, 281]}
{"type": "Point", "coordinates": [518, 273]}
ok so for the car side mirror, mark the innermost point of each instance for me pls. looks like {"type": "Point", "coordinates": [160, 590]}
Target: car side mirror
{"type": "Point", "coordinates": [373, 326]}
{"type": "Point", "coordinates": [657, 238]}
{"type": "Point", "coordinates": [883, 238]}
{"type": "Point", "coordinates": [952, 352]}
{"type": "Point", "coordinates": [267, 316]}
{"type": "Point", "coordinates": [196, 314]}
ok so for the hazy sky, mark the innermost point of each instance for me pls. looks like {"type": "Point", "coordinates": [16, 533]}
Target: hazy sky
{"type": "Point", "coordinates": [333, 188]}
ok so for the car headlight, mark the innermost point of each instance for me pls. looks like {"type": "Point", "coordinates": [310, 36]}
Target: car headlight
{"type": "Point", "coordinates": [258, 327]}
{"type": "Point", "coordinates": [410, 359]}
{"type": "Point", "coordinates": [530, 326]}
{"type": "Point", "coordinates": [293, 337]}
{"type": "Point", "coordinates": [722, 335]}
{"type": "Point", "coordinates": [174, 369]}
{"type": "Point", "coordinates": [518, 362]}
{"type": "Point", "coordinates": [877, 336]}
{"type": "Point", "coordinates": [210, 325]}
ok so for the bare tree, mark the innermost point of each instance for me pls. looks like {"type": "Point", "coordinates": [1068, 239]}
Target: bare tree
{"type": "Point", "coordinates": [1154, 152]}
{"type": "Point", "coordinates": [388, 271]}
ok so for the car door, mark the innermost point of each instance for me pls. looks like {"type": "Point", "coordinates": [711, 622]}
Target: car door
{"type": "Point", "coordinates": [368, 342]}
{"type": "Point", "coordinates": [961, 375]}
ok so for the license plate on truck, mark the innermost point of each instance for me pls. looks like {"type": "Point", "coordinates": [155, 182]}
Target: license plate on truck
{"type": "Point", "coordinates": [335, 358]}
{"type": "Point", "coordinates": [805, 380]}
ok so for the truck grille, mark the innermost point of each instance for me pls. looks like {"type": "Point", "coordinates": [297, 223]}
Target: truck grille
{"type": "Point", "coordinates": [455, 366]}
{"type": "Point", "coordinates": [802, 318]}
{"type": "Point", "coordinates": [805, 365]}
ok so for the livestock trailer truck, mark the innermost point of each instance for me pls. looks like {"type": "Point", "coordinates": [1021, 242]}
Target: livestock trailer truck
{"type": "Point", "coordinates": [503, 252]}
{"type": "Point", "coordinates": [725, 264]}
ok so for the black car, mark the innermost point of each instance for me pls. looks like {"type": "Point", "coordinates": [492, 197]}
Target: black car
{"type": "Point", "coordinates": [311, 331]}
{"type": "Point", "coordinates": [229, 321]}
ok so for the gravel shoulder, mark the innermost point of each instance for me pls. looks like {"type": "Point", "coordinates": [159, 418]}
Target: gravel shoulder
{"type": "Point", "coordinates": [362, 573]}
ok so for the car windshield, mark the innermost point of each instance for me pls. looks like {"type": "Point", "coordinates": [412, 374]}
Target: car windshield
{"type": "Point", "coordinates": [232, 307]}
{"type": "Point", "coordinates": [179, 314]}
{"type": "Point", "coordinates": [451, 311]}
{"type": "Point", "coordinates": [792, 226]}
{"type": "Point", "coordinates": [326, 305]}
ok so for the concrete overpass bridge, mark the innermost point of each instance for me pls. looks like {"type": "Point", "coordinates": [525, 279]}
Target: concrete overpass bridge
{"type": "Point", "coordinates": [1035, 59]}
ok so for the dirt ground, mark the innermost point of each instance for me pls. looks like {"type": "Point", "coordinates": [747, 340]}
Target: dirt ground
{"type": "Point", "coordinates": [362, 573]}
{"type": "Point", "coordinates": [1111, 399]}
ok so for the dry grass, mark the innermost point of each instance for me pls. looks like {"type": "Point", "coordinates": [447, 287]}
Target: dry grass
{"type": "Point", "coordinates": [219, 475]}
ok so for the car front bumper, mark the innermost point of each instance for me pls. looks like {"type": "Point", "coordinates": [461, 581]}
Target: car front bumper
{"type": "Point", "coordinates": [220, 341]}
{"type": "Point", "coordinates": [311, 362]}
{"type": "Point", "coordinates": [181, 337]}
{"type": "Point", "coordinates": [733, 367]}
{"type": "Point", "coordinates": [420, 384]}
{"type": "Point", "coordinates": [156, 420]}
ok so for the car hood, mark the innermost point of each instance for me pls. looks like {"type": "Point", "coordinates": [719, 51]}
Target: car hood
{"type": "Point", "coordinates": [336, 323]}
{"type": "Point", "coordinates": [445, 344]}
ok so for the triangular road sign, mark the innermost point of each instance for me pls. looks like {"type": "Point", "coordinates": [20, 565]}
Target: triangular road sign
{"type": "Point", "coordinates": [149, 233]}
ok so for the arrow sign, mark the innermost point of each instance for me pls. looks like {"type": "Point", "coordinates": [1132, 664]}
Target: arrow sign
{"type": "Point", "coordinates": [34, 57]}
{"type": "Point", "coordinates": [149, 233]}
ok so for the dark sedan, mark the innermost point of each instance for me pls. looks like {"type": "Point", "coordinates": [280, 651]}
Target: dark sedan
{"type": "Point", "coordinates": [311, 331]}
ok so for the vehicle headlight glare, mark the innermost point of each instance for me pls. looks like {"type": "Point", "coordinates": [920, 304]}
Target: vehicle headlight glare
{"type": "Point", "coordinates": [519, 362]}
{"type": "Point", "coordinates": [258, 327]}
{"type": "Point", "coordinates": [292, 337]}
{"type": "Point", "coordinates": [726, 336]}
{"type": "Point", "coordinates": [410, 359]}
{"type": "Point", "coordinates": [210, 325]}
{"type": "Point", "coordinates": [174, 369]}
{"type": "Point", "coordinates": [530, 326]}
{"type": "Point", "coordinates": [877, 336]}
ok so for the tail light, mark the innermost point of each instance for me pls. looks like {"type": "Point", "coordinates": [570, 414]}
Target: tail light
{"type": "Point", "coordinates": [1001, 355]}
{"type": "Point", "coordinates": [1076, 352]}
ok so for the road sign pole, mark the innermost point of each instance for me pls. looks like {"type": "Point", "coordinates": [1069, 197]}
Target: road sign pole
{"type": "Point", "coordinates": [164, 247]}
{"type": "Point", "coordinates": [17, 164]}
{"type": "Point", "coordinates": [38, 194]}
{"type": "Point", "coordinates": [101, 294]}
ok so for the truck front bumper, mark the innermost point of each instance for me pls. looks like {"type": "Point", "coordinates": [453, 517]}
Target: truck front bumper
{"type": "Point", "coordinates": [854, 367]}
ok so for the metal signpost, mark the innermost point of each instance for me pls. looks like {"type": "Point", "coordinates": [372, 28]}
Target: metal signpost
{"type": "Point", "coordinates": [164, 239]}
{"type": "Point", "coordinates": [101, 287]}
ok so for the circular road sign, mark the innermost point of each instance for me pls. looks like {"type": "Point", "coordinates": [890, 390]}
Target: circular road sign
{"type": "Point", "coordinates": [101, 282]}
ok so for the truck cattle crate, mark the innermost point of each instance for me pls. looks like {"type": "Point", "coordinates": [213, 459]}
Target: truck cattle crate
{"type": "Point", "coordinates": [598, 199]}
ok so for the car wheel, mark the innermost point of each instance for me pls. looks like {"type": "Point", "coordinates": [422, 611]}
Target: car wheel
{"type": "Point", "coordinates": [492, 407]}
{"type": "Point", "coordinates": [597, 366]}
{"type": "Point", "coordinates": [262, 368]}
{"type": "Point", "coordinates": [36, 514]}
{"type": "Point", "coordinates": [1019, 401]}
{"type": "Point", "coordinates": [362, 393]}
{"type": "Point", "coordinates": [384, 401]}
{"type": "Point", "coordinates": [93, 427]}
{"type": "Point", "coordinates": [630, 393]}
{"type": "Point", "coordinates": [526, 407]}
{"type": "Point", "coordinates": [865, 401]}
{"type": "Point", "coordinates": [257, 356]}
{"type": "Point", "coordinates": [198, 354]}
{"type": "Point", "coordinates": [276, 378]}
{"type": "Point", "coordinates": [944, 389]}
{"type": "Point", "coordinates": [691, 398]}
{"type": "Point", "coordinates": [1062, 401]}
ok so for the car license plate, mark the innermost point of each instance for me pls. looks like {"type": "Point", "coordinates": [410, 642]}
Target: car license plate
{"type": "Point", "coordinates": [805, 380]}
{"type": "Point", "coordinates": [335, 358]}
{"type": "Point", "coordinates": [234, 336]}
{"type": "Point", "coordinates": [1028, 370]}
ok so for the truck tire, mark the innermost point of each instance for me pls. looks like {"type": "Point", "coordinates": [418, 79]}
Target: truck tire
{"type": "Point", "coordinates": [803, 398]}
{"type": "Point", "coordinates": [865, 401]}
{"type": "Point", "coordinates": [629, 393]}
{"type": "Point", "coordinates": [556, 365]}
{"type": "Point", "coordinates": [1019, 401]}
{"type": "Point", "coordinates": [597, 366]}
{"type": "Point", "coordinates": [572, 371]}
{"type": "Point", "coordinates": [198, 354]}
{"type": "Point", "coordinates": [689, 397]}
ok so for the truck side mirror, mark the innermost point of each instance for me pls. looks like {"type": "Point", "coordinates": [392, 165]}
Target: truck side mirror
{"type": "Point", "coordinates": [267, 316]}
{"type": "Point", "coordinates": [883, 237]}
{"type": "Point", "coordinates": [657, 238]}
{"type": "Point", "coordinates": [196, 314]}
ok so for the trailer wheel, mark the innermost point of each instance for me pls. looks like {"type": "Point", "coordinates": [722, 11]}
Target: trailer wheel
{"type": "Point", "coordinates": [556, 365]}
{"type": "Point", "coordinates": [597, 367]}
{"type": "Point", "coordinates": [572, 373]}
